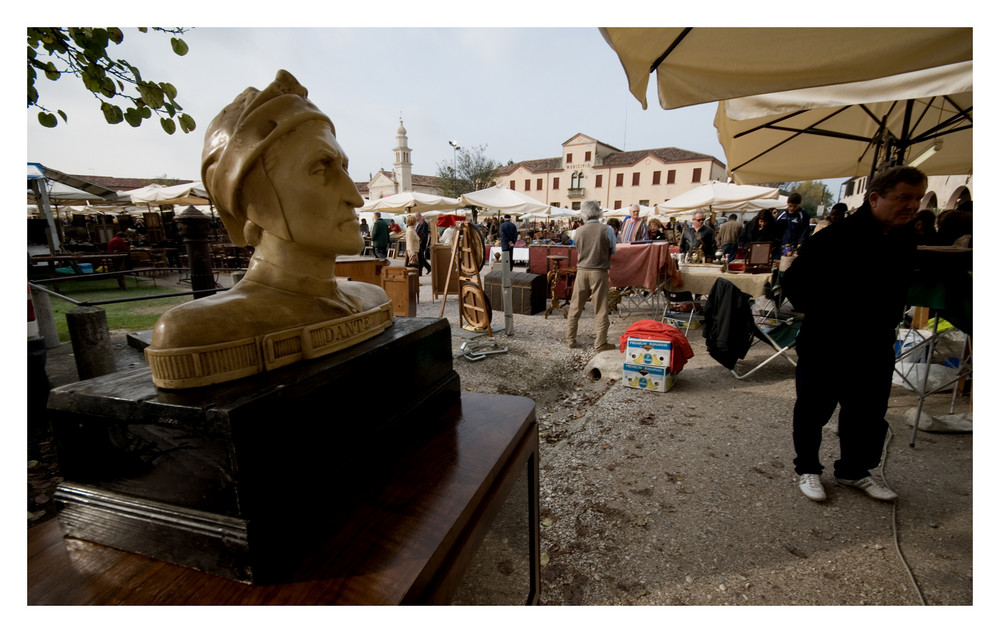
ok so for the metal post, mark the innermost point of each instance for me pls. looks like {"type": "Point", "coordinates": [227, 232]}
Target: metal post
{"type": "Point", "coordinates": [193, 226]}
{"type": "Point", "coordinates": [508, 298]}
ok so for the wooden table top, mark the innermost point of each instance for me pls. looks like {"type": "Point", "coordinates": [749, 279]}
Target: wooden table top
{"type": "Point", "coordinates": [399, 529]}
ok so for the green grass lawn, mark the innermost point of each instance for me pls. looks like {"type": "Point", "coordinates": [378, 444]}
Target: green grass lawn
{"type": "Point", "coordinates": [130, 315]}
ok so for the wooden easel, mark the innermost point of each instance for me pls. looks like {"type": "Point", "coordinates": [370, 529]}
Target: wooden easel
{"type": "Point", "coordinates": [468, 251]}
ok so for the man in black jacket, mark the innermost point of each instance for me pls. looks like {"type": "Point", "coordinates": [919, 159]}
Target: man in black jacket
{"type": "Point", "coordinates": [847, 355]}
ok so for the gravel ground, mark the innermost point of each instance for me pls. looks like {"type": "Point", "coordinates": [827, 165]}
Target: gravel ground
{"type": "Point", "coordinates": [689, 497]}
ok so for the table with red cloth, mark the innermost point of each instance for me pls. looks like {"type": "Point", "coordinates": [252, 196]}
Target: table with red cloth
{"type": "Point", "coordinates": [643, 265]}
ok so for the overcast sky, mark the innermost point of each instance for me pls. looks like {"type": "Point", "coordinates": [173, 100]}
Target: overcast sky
{"type": "Point", "coordinates": [519, 92]}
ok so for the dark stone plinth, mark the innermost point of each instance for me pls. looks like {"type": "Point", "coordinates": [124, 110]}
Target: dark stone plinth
{"type": "Point", "coordinates": [239, 479]}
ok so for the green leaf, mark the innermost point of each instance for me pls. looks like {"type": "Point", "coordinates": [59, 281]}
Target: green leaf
{"type": "Point", "coordinates": [132, 117]}
{"type": "Point", "coordinates": [63, 115]}
{"type": "Point", "coordinates": [47, 119]}
{"type": "Point", "coordinates": [112, 113]}
{"type": "Point", "coordinates": [145, 112]}
{"type": "Point", "coordinates": [168, 125]}
{"type": "Point", "coordinates": [108, 87]}
{"type": "Point", "coordinates": [32, 95]}
{"type": "Point", "coordinates": [187, 123]}
{"type": "Point", "coordinates": [169, 90]}
{"type": "Point", "coordinates": [151, 94]}
{"type": "Point", "coordinates": [51, 72]}
{"type": "Point", "coordinates": [115, 34]}
{"type": "Point", "coordinates": [180, 46]}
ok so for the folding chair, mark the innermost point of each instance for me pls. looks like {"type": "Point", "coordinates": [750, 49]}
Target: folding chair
{"type": "Point", "coordinates": [781, 338]}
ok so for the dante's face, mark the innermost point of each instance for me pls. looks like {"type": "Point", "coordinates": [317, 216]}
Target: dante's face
{"type": "Point", "coordinates": [316, 193]}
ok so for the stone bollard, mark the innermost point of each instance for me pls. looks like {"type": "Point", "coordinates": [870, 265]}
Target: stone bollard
{"type": "Point", "coordinates": [45, 318]}
{"type": "Point", "coordinates": [88, 331]}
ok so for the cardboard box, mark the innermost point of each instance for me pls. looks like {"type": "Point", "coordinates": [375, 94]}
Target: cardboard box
{"type": "Point", "coordinates": [640, 351]}
{"type": "Point", "coordinates": [648, 377]}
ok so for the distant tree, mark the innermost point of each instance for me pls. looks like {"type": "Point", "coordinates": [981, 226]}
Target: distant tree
{"type": "Point", "coordinates": [472, 170]}
{"type": "Point", "coordinates": [814, 193]}
{"type": "Point", "coordinates": [83, 52]}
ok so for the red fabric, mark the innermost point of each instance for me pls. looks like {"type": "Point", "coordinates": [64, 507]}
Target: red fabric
{"type": "Point", "coordinates": [643, 265]}
{"type": "Point", "coordinates": [654, 330]}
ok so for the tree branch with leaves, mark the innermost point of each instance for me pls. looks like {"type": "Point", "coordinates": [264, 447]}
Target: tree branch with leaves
{"type": "Point", "coordinates": [472, 170]}
{"type": "Point", "coordinates": [54, 52]}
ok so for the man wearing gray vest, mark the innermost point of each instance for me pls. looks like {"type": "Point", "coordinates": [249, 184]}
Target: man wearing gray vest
{"type": "Point", "coordinates": [595, 243]}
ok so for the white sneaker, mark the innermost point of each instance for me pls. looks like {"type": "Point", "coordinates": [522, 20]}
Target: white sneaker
{"type": "Point", "coordinates": [870, 487]}
{"type": "Point", "coordinates": [812, 487]}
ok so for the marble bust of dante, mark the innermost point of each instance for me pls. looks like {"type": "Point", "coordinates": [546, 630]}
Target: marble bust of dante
{"type": "Point", "coordinates": [278, 177]}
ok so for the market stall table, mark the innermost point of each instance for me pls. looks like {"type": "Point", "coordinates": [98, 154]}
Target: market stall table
{"type": "Point", "coordinates": [699, 279]}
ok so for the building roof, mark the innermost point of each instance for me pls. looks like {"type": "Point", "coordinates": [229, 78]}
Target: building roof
{"type": "Point", "coordinates": [613, 159]}
{"type": "Point", "coordinates": [415, 179]}
{"type": "Point", "coordinates": [666, 154]}
{"type": "Point", "coordinates": [534, 166]}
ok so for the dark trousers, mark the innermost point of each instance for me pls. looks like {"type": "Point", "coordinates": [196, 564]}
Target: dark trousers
{"type": "Point", "coordinates": [729, 251]}
{"type": "Point", "coordinates": [424, 263]}
{"type": "Point", "coordinates": [829, 375]}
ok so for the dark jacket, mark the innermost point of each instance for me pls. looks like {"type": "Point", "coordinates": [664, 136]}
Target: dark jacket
{"type": "Point", "coordinates": [380, 234]}
{"type": "Point", "coordinates": [508, 235]}
{"type": "Point", "coordinates": [424, 233]}
{"type": "Point", "coordinates": [728, 323]}
{"type": "Point", "coordinates": [851, 280]}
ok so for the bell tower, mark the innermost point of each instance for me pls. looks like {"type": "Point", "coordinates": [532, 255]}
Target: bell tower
{"type": "Point", "coordinates": [402, 165]}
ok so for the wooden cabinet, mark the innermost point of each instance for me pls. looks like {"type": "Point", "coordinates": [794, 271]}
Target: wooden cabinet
{"type": "Point", "coordinates": [440, 258]}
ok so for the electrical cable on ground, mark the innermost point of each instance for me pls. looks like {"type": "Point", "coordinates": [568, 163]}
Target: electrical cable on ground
{"type": "Point", "coordinates": [895, 534]}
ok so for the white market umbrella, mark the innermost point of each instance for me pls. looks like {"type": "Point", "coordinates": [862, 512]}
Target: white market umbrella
{"type": "Point", "coordinates": [552, 214]}
{"type": "Point", "coordinates": [408, 202]}
{"type": "Point", "coordinates": [714, 193]}
{"type": "Point", "coordinates": [503, 200]}
{"type": "Point", "coordinates": [192, 193]}
{"type": "Point", "coordinates": [706, 64]}
{"type": "Point", "coordinates": [921, 118]}
{"type": "Point", "coordinates": [623, 212]}
{"type": "Point", "coordinates": [780, 202]}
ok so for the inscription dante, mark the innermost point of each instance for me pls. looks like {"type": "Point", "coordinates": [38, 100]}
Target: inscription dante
{"type": "Point", "coordinates": [275, 171]}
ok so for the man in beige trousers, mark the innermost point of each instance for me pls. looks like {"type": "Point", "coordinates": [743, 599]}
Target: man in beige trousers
{"type": "Point", "coordinates": [595, 244]}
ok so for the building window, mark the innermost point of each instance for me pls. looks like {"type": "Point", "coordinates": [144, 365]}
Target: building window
{"type": "Point", "coordinates": [555, 182]}
{"type": "Point", "coordinates": [576, 206]}
{"type": "Point", "coordinates": [619, 180]}
{"type": "Point", "coordinates": [635, 179]}
{"type": "Point", "coordinates": [599, 180]}
{"type": "Point", "coordinates": [527, 184]}
{"type": "Point", "coordinates": [569, 158]}
{"type": "Point", "coordinates": [618, 204]}
{"type": "Point", "coordinates": [671, 175]}
{"type": "Point", "coordinates": [512, 187]}
{"type": "Point", "coordinates": [538, 184]}
{"type": "Point", "coordinates": [586, 157]}
{"type": "Point", "coordinates": [644, 203]}
{"type": "Point", "coordinates": [656, 177]}
{"type": "Point", "coordinates": [696, 175]}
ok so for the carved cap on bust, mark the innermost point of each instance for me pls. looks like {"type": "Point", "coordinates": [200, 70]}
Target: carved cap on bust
{"type": "Point", "coordinates": [238, 135]}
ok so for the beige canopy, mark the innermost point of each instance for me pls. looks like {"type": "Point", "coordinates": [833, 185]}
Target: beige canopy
{"type": "Point", "coordinates": [702, 65]}
{"type": "Point", "coordinates": [923, 118]}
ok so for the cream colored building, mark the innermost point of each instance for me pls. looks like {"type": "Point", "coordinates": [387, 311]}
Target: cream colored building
{"type": "Point", "coordinates": [591, 170]}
